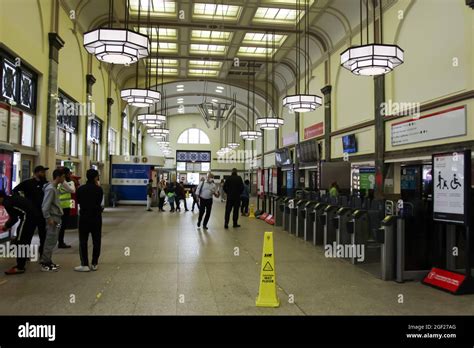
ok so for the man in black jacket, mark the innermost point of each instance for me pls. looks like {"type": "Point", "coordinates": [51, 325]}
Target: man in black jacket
{"type": "Point", "coordinates": [89, 198]}
{"type": "Point", "coordinates": [233, 187]}
{"type": "Point", "coordinates": [32, 189]}
{"type": "Point", "coordinates": [19, 208]}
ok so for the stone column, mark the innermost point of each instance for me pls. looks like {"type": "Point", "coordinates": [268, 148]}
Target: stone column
{"type": "Point", "coordinates": [296, 176]}
{"type": "Point", "coordinates": [55, 44]}
{"type": "Point", "coordinates": [90, 80]}
{"type": "Point", "coordinates": [327, 121]}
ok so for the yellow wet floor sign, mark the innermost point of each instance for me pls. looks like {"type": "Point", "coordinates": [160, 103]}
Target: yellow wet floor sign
{"type": "Point", "coordinates": [252, 211]}
{"type": "Point", "coordinates": [267, 293]}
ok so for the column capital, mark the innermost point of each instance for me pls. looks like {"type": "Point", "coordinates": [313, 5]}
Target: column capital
{"type": "Point", "coordinates": [90, 79]}
{"type": "Point", "coordinates": [470, 3]}
{"type": "Point", "coordinates": [110, 102]}
{"type": "Point", "coordinates": [55, 44]}
{"type": "Point", "coordinates": [326, 90]}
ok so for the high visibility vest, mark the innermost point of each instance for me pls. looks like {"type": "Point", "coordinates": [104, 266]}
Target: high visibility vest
{"type": "Point", "coordinates": [65, 198]}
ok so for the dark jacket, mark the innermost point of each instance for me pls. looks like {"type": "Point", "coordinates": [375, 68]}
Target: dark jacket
{"type": "Point", "coordinates": [18, 207]}
{"type": "Point", "coordinates": [33, 191]}
{"type": "Point", "coordinates": [233, 187]}
{"type": "Point", "coordinates": [89, 198]}
{"type": "Point", "coordinates": [180, 191]}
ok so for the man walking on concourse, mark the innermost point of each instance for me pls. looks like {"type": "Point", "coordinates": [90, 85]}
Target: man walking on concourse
{"type": "Point", "coordinates": [89, 198]}
{"type": "Point", "coordinates": [206, 191]}
{"type": "Point", "coordinates": [32, 190]}
{"type": "Point", "coordinates": [233, 187]}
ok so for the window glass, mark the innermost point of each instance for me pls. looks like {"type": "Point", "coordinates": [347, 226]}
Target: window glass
{"type": "Point", "coordinates": [181, 166]}
{"type": "Point", "coordinates": [4, 123]}
{"type": "Point", "coordinates": [27, 130]}
{"type": "Point", "coordinates": [15, 117]}
{"type": "Point", "coordinates": [193, 136]}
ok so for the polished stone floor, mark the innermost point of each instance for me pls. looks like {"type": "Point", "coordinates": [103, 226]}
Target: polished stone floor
{"type": "Point", "coordinates": [160, 263]}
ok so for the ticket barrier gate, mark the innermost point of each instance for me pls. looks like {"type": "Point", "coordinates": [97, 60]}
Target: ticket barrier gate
{"type": "Point", "coordinates": [341, 218]}
{"type": "Point", "coordinates": [294, 216]}
{"type": "Point", "coordinates": [279, 210]}
{"type": "Point", "coordinates": [289, 202]}
{"type": "Point", "coordinates": [309, 216]}
{"type": "Point", "coordinates": [318, 226]}
{"type": "Point", "coordinates": [386, 237]}
{"type": "Point", "coordinates": [300, 217]}
{"type": "Point", "coordinates": [327, 219]}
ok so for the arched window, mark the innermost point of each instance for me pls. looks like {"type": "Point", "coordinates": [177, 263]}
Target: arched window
{"type": "Point", "coordinates": [193, 136]}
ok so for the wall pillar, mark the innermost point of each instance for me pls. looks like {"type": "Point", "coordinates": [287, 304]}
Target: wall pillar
{"type": "Point", "coordinates": [327, 121]}
{"type": "Point", "coordinates": [380, 168]}
{"type": "Point", "coordinates": [55, 44]}
{"type": "Point", "coordinates": [90, 80]}
{"type": "Point", "coordinates": [296, 176]}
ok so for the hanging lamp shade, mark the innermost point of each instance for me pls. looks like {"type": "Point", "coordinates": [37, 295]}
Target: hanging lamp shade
{"type": "Point", "coordinates": [140, 97]}
{"type": "Point", "coordinates": [302, 102]}
{"type": "Point", "coordinates": [163, 143]}
{"type": "Point", "coordinates": [373, 59]}
{"type": "Point", "coordinates": [158, 132]}
{"type": "Point", "coordinates": [270, 122]}
{"type": "Point", "coordinates": [250, 134]}
{"type": "Point", "coordinates": [151, 120]}
{"type": "Point", "coordinates": [233, 145]}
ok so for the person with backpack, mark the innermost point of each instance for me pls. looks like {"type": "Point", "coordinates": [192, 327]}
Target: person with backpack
{"type": "Point", "coordinates": [233, 188]}
{"type": "Point", "coordinates": [161, 194]}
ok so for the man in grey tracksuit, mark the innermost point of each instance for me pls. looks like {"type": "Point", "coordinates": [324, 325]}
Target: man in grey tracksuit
{"type": "Point", "coordinates": [52, 213]}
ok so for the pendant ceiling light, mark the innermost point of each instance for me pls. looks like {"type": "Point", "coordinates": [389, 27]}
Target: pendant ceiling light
{"type": "Point", "coordinates": [269, 122]}
{"type": "Point", "coordinates": [116, 45]}
{"type": "Point", "coordinates": [141, 97]}
{"type": "Point", "coordinates": [250, 134]}
{"type": "Point", "coordinates": [372, 59]}
{"type": "Point", "coordinates": [158, 132]}
{"type": "Point", "coordinates": [302, 102]}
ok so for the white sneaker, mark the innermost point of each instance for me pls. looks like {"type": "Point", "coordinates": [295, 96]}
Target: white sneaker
{"type": "Point", "coordinates": [94, 267]}
{"type": "Point", "coordinates": [82, 269]}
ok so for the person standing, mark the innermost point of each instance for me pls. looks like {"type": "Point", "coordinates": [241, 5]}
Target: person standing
{"type": "Point", "coordinates": [32, 190]}
{"type": "Point", "coordinates": [334, 190]}
{"type": "Point", "coordinates": [233, 188]}
{"type": "Point", "coordinates": [181, 196]}
{"type": "Point", "coordinates": [66, 189]}
{"type": "Point", "coordinates": [170, 193]}
{"type": "Point", "coordinates": [19, 208]}
{"type": "Point", "coordinates": [52, 212]}
{"type": "Point", "coordinates": [221, 190]}
{"type": "Point", "coordinates": [149, 194]}
{"type": "Point", "coordinates": [161, 194]}
{"type": "Point", "coordinates": [3, 177]}
{"type": "Point", "coordinates": [206, 191]}
{"type": "Point", "coordinates": [89, 198]}
{"type": "Point", "coordinates": [245, 198]}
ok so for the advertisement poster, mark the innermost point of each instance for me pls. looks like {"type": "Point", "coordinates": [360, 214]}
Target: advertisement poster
{"type": "Point", "coordinates": [367, 178]}
{"type": "Point", "coordinates": [275, 181]}
{"type": "Point", "coordinates": [289, 179]}
{"type": "Point", "coordinates": [314, 130]}
{"type": "Point", "coordinates": [449, 186]}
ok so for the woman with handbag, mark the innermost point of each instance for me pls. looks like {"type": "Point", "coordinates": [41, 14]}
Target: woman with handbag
{"type": "Point", "coordinates": [161, 195]}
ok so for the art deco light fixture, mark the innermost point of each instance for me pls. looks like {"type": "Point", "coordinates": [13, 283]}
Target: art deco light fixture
{"type": "Point", "coordinates": [372, 59]}
{"type": "Point", "coordinates": [302, 102]}
{"type": "Point", "coordinates": [270, 122]}
{"type": "Point", "coordinates": [117, 45]}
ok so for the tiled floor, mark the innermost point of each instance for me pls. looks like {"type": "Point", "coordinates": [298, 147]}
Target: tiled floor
{"type": "Point", "coordinates": [175, 268]}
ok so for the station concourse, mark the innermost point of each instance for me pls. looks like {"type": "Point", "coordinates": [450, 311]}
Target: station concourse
{"type": "Point", "coordinates": [349, 122]}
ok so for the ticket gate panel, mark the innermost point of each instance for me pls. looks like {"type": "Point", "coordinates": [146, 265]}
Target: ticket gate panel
{"type": "Point", "coordinates": [309, 220]}
{"type": "Point", "coordinates": [318, 226]}
{"type": "Point", "coordinates": [279, 211]}
{"type": "Point", "coordinates": [342, 216]}
{"type": "Point", "coordinates": [386, 237]}
{"type": "Point", "coordinates": [300, 218]}
{"type": "Point", "coordinates": [329, 226]}
{"type": "Point", "coordinates": [293, 217]}
{"type": "Point", "coordinates": [286, 215]}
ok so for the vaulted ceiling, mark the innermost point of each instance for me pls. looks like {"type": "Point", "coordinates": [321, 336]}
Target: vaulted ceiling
{"type": "Point", "coordinates": [199, 40]}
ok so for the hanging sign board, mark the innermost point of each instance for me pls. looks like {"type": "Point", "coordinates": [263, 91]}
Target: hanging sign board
{"type": "Point", "coordinates": [314, 130]}
{"type": "Point", "coordinates": [451, 186]}
{"type": "Point", "coordinates": [443, 124]}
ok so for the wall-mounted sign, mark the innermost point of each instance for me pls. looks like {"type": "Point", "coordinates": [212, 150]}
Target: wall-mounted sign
{"type": "Point", "coordinates": [314, 130]}
{"type": "Point", "coordinates": [452, 186]}
{"type": "Point", "coordinates": [443, 124]}
{"type": "Point", "coordinates": [290, 139]}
